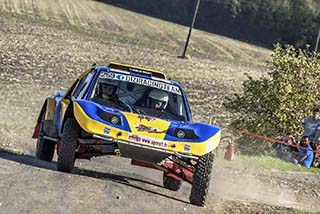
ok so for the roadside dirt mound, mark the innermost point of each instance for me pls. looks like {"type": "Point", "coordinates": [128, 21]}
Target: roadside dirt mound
{"type": "Point", "coordinates": [271, 187]}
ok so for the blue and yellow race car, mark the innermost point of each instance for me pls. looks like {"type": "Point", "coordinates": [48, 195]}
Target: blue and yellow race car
{"type": "Point", "coordinates": [133, 112]}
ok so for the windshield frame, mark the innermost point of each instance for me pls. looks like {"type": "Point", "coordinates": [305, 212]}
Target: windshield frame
{"type": "Point", "coordinates": [106, 69]}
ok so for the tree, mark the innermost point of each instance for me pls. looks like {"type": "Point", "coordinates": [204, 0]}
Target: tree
{"type": "Point", "coordinates": [274, 104]}
{"type": "Point", "coordinates": [301, 23]}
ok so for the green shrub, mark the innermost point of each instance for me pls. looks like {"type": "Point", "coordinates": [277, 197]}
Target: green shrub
{"type": "Point", "coordinates": [274, 104]}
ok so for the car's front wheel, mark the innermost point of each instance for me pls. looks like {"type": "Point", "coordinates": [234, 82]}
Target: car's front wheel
{"type": "Point", "coordinates": [201, 179]}
{"type": "Point", "coordinates": [68, 146]}
{"type": "Point", "coordinates": [45, 148]}
{"type": "Point", "coordinates": [171, 183]}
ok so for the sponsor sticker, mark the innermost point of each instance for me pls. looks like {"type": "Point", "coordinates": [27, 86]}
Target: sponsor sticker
{"type": "Point", "coordinates": [144, 128]}
{"type": "Point", "coordinates": [141, 81]}
{"type": "Point", "coordinates": [187, 147]}
{"type": "Point", "coordinates": [145, 117]}
{"type": "Point", "coordinates": [148, 141]}
{"type": "Point", "coordinates": [106, 130]}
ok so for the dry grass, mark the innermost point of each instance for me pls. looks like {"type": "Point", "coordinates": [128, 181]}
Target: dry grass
{"type": "Point", "coordinates": [137, 27]}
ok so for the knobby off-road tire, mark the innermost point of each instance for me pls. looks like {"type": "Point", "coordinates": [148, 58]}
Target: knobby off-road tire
{"type": "Point", "coordinates": [201, 179]}
{"type": "Point", "coordinates": [171, 183]}
{"type": "Point", "coordinates": [45, 148]}
{"type": "Point", "coordinates": [68, 146]}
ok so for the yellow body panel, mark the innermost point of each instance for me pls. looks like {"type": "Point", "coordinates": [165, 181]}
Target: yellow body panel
{"type": "Point", "coordinates": [154, 140]}
{"type": "Point", "coordinates": [134, 123]}
{"type": "Point", "coordinates": [64, 105]}
{"type": "Point", "coordinates": [50, 109]}
{"type": "Point", "coordinates": [65, 101]}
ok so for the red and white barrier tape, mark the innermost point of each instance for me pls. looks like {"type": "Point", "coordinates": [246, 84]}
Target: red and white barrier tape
{"type": "Point", "coordinates": [269, 139]}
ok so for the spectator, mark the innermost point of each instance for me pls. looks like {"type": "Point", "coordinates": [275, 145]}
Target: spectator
{"type": "Point", "coordinates": [284, 151]}
{"type": "Point", "coordinates": [304, 157]}
{"type": "Point", "coordinates": [311, 126]}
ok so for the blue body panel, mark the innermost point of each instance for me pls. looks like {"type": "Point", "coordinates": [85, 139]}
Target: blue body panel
{"type": "Point", "coordinates": [93, 109]}
{"type": "Point", "coordinates": [202, 130]}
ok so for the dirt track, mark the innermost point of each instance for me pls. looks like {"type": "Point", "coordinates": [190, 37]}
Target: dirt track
{"type": "Point", "coordinates": [38, 58]}
{"type": "Point", "coordinates": [112, 185]}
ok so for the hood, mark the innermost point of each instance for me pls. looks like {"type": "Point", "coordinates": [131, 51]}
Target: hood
{"type": "Point", "coordinates": [152, 127]}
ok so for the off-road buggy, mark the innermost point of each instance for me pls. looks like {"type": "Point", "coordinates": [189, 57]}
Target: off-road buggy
{"type": "Point", "coordinates": [144, 116]}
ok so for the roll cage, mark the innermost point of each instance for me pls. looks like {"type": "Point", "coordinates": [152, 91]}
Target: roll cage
{"type": "Point", "coordinates": [84, 85]}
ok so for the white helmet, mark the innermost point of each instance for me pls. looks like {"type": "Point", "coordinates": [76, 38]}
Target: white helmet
{"type": "Point", "coordinates": [158, 96]}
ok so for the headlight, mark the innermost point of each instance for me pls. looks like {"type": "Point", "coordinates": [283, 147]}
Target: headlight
{"type": "Point", "coordinates": [111, 118]}
{"type": "Point", "coordinates": [181, 133]}
{"type": "Point", "coordinates": [115, 120]}
{"type": "Point", "coordinates": [185, 133]}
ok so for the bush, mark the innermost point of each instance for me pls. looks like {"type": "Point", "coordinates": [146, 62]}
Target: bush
{"type": "Point", "coordinates": [274, 104]}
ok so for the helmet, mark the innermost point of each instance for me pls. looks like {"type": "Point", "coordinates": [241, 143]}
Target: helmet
{"type": "Point", "coordinates": [157, 96]}
{"type": "Point", "coordinates": [107, 88]}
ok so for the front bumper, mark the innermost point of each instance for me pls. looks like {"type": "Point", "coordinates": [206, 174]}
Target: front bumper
{"type": "Point", "coordinates": [142, 152]}
{"type": "Point", "coordinates": [123, 137]}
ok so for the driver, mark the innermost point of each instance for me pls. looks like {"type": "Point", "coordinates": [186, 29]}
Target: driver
{"type": "Point", "coordinates": [105, 92]}
{"type": "Point", "coordinates": [158, 100]}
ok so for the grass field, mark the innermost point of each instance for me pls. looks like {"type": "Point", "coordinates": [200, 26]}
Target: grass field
{"type": "Point", "coordinates": [267, 162]}
{"type": "Point", "coordinates": [136, 27]}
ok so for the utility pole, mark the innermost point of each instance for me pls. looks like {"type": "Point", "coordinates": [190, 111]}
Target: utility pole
{"type": "Point", "coordinates": [317, 43]}
{"type": "Point", "coordinates": [190, 29]}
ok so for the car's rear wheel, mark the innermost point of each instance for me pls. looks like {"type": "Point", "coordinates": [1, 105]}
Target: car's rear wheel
{"type": "Point", "coordinates": [171, 183]}
{"type": "Point", "coordinates": [201, 179]}
{"type": "Point", "coordinates": [45, 148]}
{"type": "Point", "coordinates": [68, 146]}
